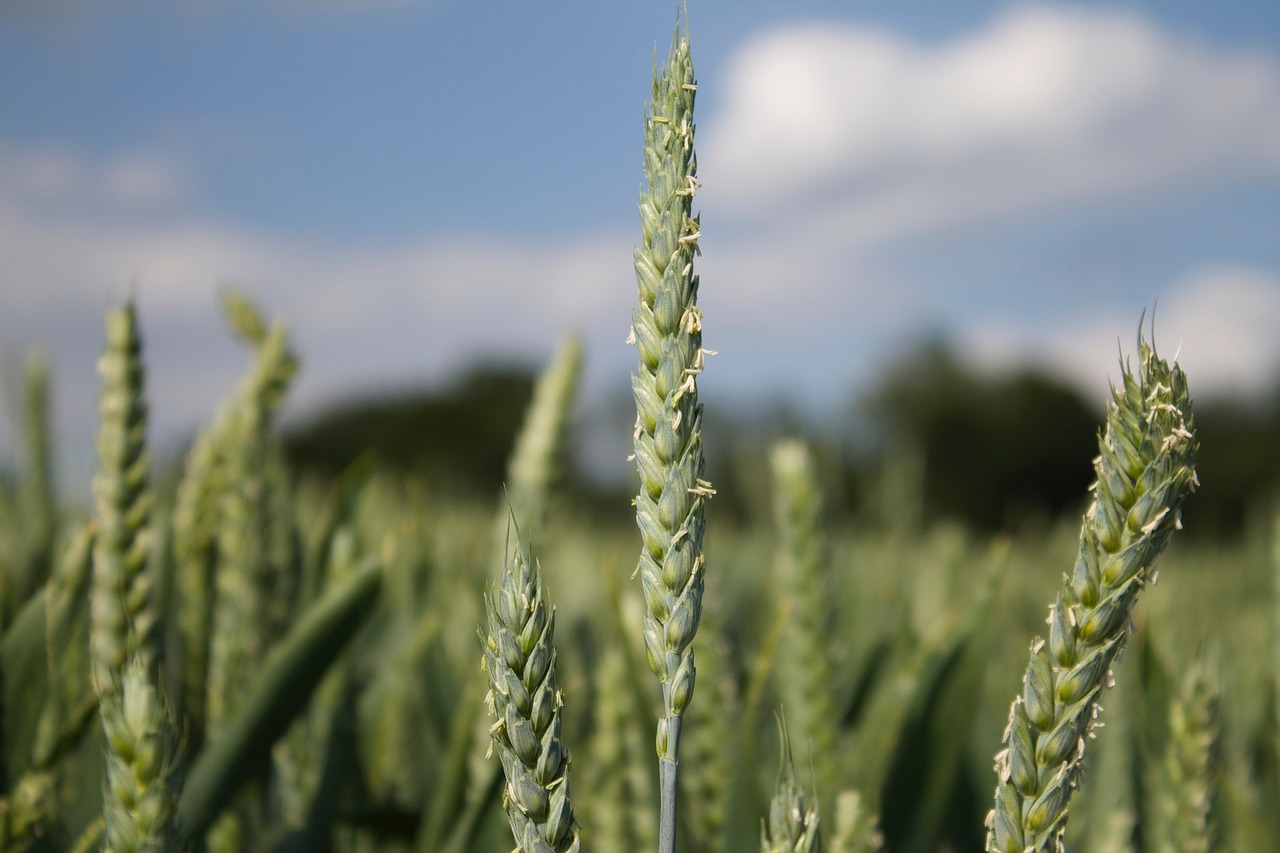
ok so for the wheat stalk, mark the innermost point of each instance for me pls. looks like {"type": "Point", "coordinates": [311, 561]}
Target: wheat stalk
{"type": "Point", "coordinates": [666, 326]}
{"type": "Point", "coordinates": [520, 659]}
{"type": "Point", "coordinates": [1145, 470]}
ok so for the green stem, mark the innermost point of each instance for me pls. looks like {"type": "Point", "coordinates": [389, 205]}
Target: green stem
{"type": "Point", "coordinates": [668, 779]}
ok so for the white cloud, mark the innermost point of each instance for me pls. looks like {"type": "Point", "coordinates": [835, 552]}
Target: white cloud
{"type": "Point", "coordinates": [1219, 321]}
{"type": "Point", "coordinates": [365, 317]}
{"type": "Point", "coordinates": [59, 176]}
{"type": "Point", "coordinates": [878, 137]}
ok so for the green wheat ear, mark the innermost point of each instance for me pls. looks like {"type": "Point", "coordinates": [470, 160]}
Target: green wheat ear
{"type": "Point", "coordinates": [666, 327]}
{"type": "Point", "coordinates": [121, 621]}
{"type": "Point", "coordinates": [1188, 802]}
{"type": "Point", "coordinates": [1145, 470]}
{"type": "Point", "coordinates": [792, 826]}
{"type": "Point", "coordinates": [520, 659]}
{"type": "Point", "coordinates": [140, 807]}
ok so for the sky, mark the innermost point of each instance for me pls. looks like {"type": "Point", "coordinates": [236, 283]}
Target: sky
{"type": "Point", "coordinates": [415, 187]}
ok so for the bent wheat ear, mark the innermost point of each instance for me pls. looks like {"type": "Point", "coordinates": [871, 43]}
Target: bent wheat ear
{"type": "Point", "coordinates": [520, 659]}
{"type": "Point", "coordinates": [666, 326]}
{"type": "Point", "coordinates": [1145, 470]}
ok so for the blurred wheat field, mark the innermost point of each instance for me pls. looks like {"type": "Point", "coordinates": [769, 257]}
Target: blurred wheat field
{"type": "Point", "coordinates": [922, 630]}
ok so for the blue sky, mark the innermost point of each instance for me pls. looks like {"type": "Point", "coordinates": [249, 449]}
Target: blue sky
{"type": "Point", "coordinates": [416, 186]}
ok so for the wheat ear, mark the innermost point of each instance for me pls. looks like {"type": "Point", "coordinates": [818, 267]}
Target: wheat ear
{"type": "Point", "coordinates": [520, 659]}
{"type": "Point", "coordinates": [121, 621]}
{"type": "Point", "coordinates": [141, 801]}
{"type": "Point", "coordinates": [1187, 812]}
{"type": "Point", "coordinates": [535, 460]}
{"type": "Point", "coordinates": [666, 326]}
{"type": "Point", "coordinates": [1145, 470]}
{"type": "Point", "coordinates": [856, 829]}
{"type": "Point", "coordinates": [805, 681]}
{"type": "Point", "coordinates": [138, 799]}
{"type": "Point", "coordinates": [792, 826]}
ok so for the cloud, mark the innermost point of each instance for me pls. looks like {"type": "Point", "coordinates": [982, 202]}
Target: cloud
{"type": "Point", "coordinates": [366, 317]}
{"type": "Point", "coordinates": [861, 133]}
{"type": "Point", "coordinates": [1219, 321]}
{"type": "Point", "coordinates": [54, 177]}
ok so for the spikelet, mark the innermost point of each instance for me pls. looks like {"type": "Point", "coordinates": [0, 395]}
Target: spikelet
{"type": "Point", "coordinates": [1145, 470]}
{"type": "Point", "coordinates": [520, 659]}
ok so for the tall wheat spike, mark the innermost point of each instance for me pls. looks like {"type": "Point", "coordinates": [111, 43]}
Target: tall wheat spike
{"type": "Point", "coordinates": [524, 697]}
{"type": "Point", "coordinates": [666, 326]}
{"type": "Point", "coordinates": [1145, 470]}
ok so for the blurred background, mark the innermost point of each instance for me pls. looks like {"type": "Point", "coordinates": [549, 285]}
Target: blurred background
{"type": "Point", "coordinates": [929, 228]}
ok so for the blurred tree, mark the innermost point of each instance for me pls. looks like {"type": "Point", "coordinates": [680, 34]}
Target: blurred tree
{"type": "Point", "coordinates": [1239, 465]}
{"type": "Point", "coordinates": [997, 450]}
{"type": "Point", "coordinates": [457, 437]}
